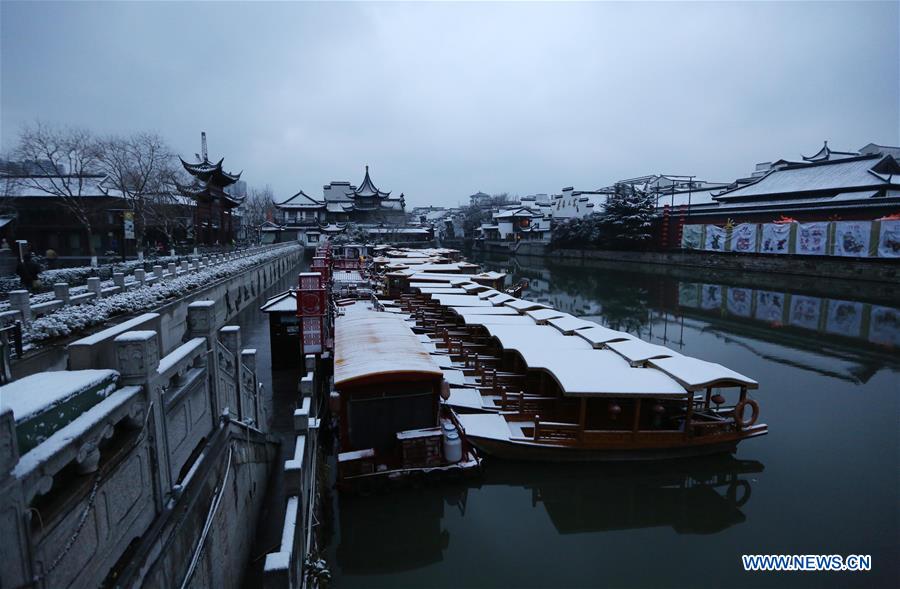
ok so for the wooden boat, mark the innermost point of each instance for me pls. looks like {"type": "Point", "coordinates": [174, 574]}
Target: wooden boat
{"type": "Point", "coordinates": [388, 388]}
{"type": "Point", "coordinates": [548, 386]}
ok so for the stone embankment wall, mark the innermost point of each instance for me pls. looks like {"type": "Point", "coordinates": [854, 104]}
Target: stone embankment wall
{"type": "Point", "coordinates": [157, 484]}
{"type": "Point", "coordinates": [887, 271]}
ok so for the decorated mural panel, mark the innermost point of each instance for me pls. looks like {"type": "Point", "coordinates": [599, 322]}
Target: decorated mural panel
{"type": "Point", "coordinates": [776, 238]}
{"type": "Point", "coordinates": [715, 239]}
{"type": "Point", "coordinates": [851, 238]}
{"type": "Point", "coordinates": [743, 238]}
{"type": "Point", "coordinates": [889, 239]}
{"type": "Point", "coordinates": [812, 238]}
{"type": "Point", "coordinates": [690, 236]}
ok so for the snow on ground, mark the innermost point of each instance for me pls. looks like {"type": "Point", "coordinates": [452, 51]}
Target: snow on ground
{"type": "Point", "coordinates": [70, 319]}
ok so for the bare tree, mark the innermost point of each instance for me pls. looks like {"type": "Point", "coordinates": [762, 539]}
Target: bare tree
{"type": "Point", "coordinates": [258, 207]}
{"type": "Point", "coordinates": [166, 208]}
{"type": "Point", "coordinates": [73, 151]}
{"type": "Point", "coordinates": [139, 167]}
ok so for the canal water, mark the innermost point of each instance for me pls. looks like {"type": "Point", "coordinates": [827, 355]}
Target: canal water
{"type": "Point", "coordinates": [823, 481]}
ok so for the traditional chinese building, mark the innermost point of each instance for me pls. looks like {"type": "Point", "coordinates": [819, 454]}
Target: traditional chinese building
{"type": "Point", "coordinates": [213, 216]}
{"type": "Point", "coordinates": [307, 219]}
{"type": "Point", "coordinates": [827, 185]}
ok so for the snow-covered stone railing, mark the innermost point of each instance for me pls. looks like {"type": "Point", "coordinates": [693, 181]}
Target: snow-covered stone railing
{"type": "Point", "coordinates": [25, 307]}
{"type": "Point", "coordinates": [285, 567]}
{"type": "Point", "coordinates": [272, 261]}
{"type": "Point", "coordinates": [87, 482]}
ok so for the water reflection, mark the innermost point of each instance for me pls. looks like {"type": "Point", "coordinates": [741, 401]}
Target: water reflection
{"type": "Point", "coordinates": [407, 529]}
{"type": "Point", "coordinates": [846, 339]}
{"type": "Point", "coordinates": [701, 496]}
{"type": "Point", "coordinates": [381, 534]}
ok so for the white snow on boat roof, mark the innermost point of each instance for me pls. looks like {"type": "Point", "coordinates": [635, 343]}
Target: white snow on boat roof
{"type": "Point", "coordinates": [598, 336]}
{"type": "Point", "coordinates": [535, 352]}
{"type": "Point", "coordinates": [535, 343]}
{"type": "Point", "coordinates": [466, 311]}
{"type": "Point", "coordinates": [542, 315]}
{"type": "Point", "coordinates": [454, 377]}
{"type": "Point", "coordinates": [514, 319]}
{"type": "Point", "coordinates": [603, 373]}
{"type": "Point", "coordinates": [441, 290]}
{"type": "Point", "coordinates": [473, 287]}
{"type": "Point", "coordinates": [434, 277]}
{"type": "Point", "coordinates": [488, 293]}
{"type": "Point", "coordinates": [465, 397]}
{"type": "Point", "coordinates": [371, 345]}
{"type": "Point", "coordinates": [32, 394]}
{"type": "Point", "coordinates": [443, 267]}
{"type": "Point", "coordinates": [490, 275]}
{"type": "Point", "coordinates": [694, 373]}
{"type": "Point", "coordinates": [489, 426]}
{"type": "Point", "coordinates": [638, 351]}
{"type": "Point", "coordinates": [442, 360]}
{"type": "Point", "coordinates": [459, 300]}
{"type": "Point", "coordinates": [499, 299]}
{"type": "Point", "coordinates": [522, 304]}
{"type": "Point", "coordinates": [569, 325]}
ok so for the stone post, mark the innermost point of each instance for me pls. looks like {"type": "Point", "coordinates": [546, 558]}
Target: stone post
{"type": "Point", "coordinates": [93, 284]}
{"type": "Point", "coordinates": [158, 271]}
{"type": "Point", "coordinates": [20, 300]}
{"type": "Point", "coordinates": [137, 359]}
{"type": "Point", "coordinates": [201, 322]}
{"type": "Point", "coordinates": [140, 275]}
{"type": "Point", "coordinates": [230, 337]}
{"type": "Point", "coordinates": [61, 292]}
{"type": "Point", "coordinates": [16, 571]}
{"type": "Point", "coordinates": [185, 266]}
{"type": "Point", "coordinates": [195, 264]}
{"type": "Point", "coordinates": [248, 362]}
{"type": "Point", "coordinates": [173, 268]}
{"type": "Point", "coordinates": [119, 279]}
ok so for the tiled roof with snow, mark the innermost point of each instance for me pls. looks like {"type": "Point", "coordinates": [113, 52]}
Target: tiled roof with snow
{"type": "Point", "coordinates": [51, 186]}
{"type": "Point", "coordinates": [853, 172]}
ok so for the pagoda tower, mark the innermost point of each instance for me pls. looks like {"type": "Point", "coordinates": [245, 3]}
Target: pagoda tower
{"type": "Point", "coordinates": [213, 219]}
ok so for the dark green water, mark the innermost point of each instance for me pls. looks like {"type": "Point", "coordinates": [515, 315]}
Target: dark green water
{"type": "Point", "coordinates": [824, 481]}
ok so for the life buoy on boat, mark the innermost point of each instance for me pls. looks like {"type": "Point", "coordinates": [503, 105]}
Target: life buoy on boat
{"type": "Point", "coordinates": [739, 413]}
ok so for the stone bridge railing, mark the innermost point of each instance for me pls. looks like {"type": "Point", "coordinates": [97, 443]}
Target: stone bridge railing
{"type": "Point", "coordinates": [286, 567]}
{"type": "Point", "coordinates": [85, 475]}
{"type": "Point", "coordinates": [24, 307]}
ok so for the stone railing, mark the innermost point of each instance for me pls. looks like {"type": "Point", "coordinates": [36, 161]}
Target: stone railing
{"type": "Point", "coordinates": [285, 568]}
{"type": "Point", "coordinates": [23, 308]}
{"type": "Point", "coordinates": [74, 502]}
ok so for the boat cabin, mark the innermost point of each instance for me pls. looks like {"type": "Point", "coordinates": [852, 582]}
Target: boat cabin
{"type": "Point", "coordinates": [284, 330]}
{"type": "Point", "coordinates": [389, 398]}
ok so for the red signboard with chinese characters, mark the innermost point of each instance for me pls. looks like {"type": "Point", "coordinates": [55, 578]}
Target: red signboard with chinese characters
{"type": "Point", "coordinates": [311, 309]}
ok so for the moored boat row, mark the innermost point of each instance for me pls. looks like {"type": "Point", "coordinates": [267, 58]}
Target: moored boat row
{"type": "Point", "coordinates": [434, 361]}
{"type": "Point", "coordinates": [531, 382]}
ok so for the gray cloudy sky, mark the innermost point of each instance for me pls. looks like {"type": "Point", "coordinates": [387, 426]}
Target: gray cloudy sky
{"type": "Point", "coordinates": [446, 99]}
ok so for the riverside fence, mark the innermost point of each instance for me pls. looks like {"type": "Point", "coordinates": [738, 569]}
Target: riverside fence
{"type": "Point", "coordinates": [849, 239]}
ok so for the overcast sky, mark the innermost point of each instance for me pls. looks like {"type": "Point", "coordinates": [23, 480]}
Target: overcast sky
{"type": "Point", "coordinates": [442, 100]}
